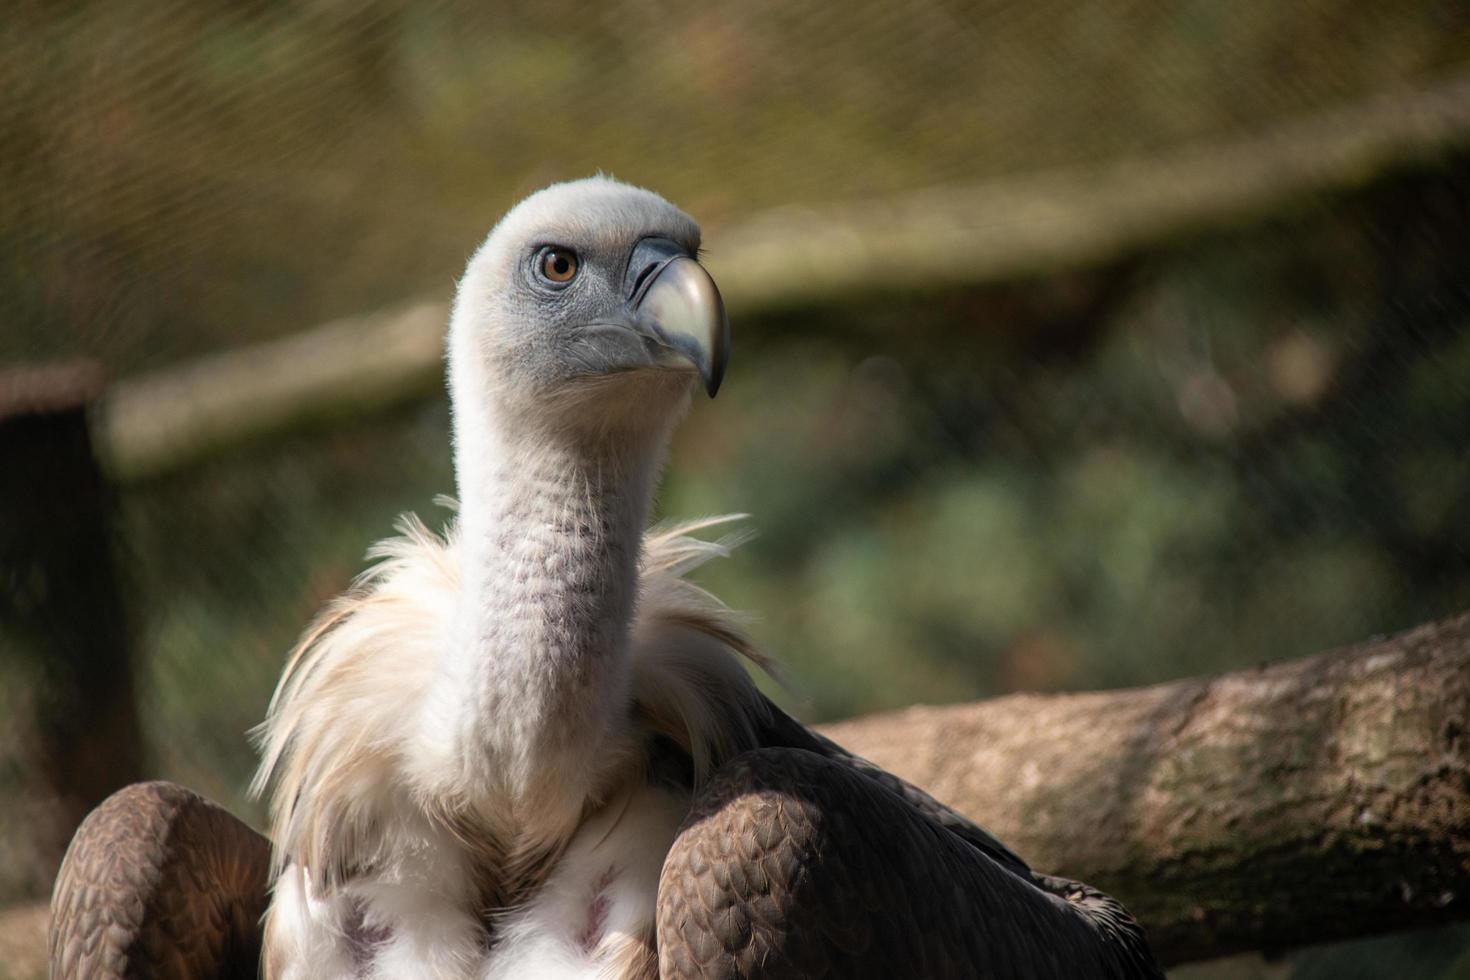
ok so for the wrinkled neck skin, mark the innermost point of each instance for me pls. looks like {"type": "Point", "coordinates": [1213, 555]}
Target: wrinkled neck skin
{"type": "Point", "coordinates": [554, 499]}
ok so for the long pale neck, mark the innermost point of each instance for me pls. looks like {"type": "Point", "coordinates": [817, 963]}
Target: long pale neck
{"type": "Point", "coordinates": [551, 525]}
{"type": "Point", "coordinates": [550, 534]}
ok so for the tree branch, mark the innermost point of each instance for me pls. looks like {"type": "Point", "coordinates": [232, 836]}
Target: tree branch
{"type": "Point", "coordinates": [790, 258]}
{"type": "Point", "coordinates": [1295, 803]}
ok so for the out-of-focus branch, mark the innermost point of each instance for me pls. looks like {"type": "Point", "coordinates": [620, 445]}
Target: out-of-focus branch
{"type": "Point", "coordinates": [999, 230]}
{"type": "Point", "coordinates": [1296, 803]}
{"type": "Point", "coordinates": [171, 418]}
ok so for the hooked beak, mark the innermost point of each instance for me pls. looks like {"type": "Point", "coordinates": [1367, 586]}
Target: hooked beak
{"type": "Point", "coordinates": [675, 305]}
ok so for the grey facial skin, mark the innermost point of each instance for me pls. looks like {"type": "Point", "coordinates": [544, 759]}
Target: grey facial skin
{"type": "Point", "coordinates": [651, 307]}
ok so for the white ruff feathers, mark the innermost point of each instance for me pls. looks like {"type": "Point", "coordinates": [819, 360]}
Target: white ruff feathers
{"type": "Point", "coordinates": [372, 860]}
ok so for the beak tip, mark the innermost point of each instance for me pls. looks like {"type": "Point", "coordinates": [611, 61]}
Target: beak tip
{"type": "Point", "coordinates": [680, 310]}
{"type": "Point", "coordinates": [720, 352]}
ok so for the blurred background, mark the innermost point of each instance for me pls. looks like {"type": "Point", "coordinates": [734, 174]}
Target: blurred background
{"type": "Point", "coordinates": [1076, 345]}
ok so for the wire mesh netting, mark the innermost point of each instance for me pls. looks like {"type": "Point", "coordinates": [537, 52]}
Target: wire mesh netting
{"type": "Point", "coordinates": [333, 157]}
{"type": "Point", "coordinates": [1234, 445]}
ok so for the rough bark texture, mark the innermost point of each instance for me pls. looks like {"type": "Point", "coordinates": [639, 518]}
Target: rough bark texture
{"type": "Point", "coordinates": [1296, 803]}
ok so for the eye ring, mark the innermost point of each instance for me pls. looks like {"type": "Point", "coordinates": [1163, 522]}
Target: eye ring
{"type": "Point", "coordinates": [557, 265]}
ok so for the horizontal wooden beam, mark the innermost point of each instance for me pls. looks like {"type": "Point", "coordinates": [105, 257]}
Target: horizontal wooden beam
{"type": "Point", "coordinates": [792, 256]}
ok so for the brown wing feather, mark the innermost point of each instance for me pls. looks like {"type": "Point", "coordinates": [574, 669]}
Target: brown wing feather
{"type": "Point", "coordinates": [159, 882]}
{"type": "Point", "coordinates": [793, 864]}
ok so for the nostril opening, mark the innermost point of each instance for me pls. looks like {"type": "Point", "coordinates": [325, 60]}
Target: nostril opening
{"type": "Point", "coordinates": [643, 275]}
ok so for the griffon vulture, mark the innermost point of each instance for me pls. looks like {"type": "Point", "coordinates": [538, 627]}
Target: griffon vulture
{"type": "Point", "coordinates": [528, 748]}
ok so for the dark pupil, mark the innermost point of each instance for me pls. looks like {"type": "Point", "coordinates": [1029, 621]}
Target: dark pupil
{"type": "Point", "coordinates": [560, 264]}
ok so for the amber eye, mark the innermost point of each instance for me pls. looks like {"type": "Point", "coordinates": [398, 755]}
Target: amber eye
{"type": "Point", "coordinates": [559, 264]}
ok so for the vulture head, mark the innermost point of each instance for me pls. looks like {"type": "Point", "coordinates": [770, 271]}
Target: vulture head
{"type": "Point", "coordinates": [528, 747]}
{"type": "Point", "coordinates": [586, 311]}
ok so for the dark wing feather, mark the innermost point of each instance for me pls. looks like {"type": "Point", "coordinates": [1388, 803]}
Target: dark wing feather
{"type": "Point", "coordinates": [783, 731]}
{"type": "Point", "coordinates": [793, 864]}
{"type": "Point", "coordinates": [159, 882]}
